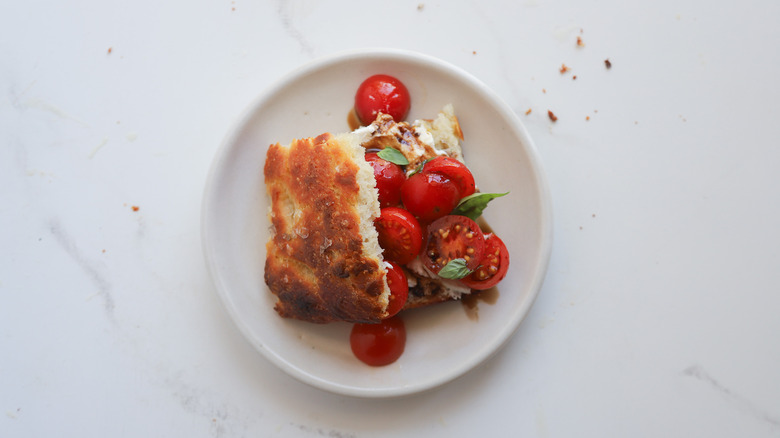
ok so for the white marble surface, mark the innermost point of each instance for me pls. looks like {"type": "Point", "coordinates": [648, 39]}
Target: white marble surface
{"type": "Point", "coordinates": [659, 314]}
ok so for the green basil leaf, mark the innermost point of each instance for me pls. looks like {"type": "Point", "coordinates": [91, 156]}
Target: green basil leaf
{"type": "Point", "coordinates": [393, 155]}
{"type": "Point", "coordinates": [455, 269]}
{"type": "Point", "coordinates": [472, 206]}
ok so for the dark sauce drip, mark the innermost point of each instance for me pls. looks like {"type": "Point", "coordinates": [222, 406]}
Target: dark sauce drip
{"type": "Point", "coordinates": [483, 225]}
{"type": "Point", "coordinates": [471, 301]}
{"type": "Point", "coordinates": [352, 120]}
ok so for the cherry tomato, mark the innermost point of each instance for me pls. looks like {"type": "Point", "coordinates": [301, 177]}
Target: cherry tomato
{"type": "Point", "coordinates": [454, 170]}
{"type": "Point", "coordinates": [381, 93]}
{"type": "Point", "coordinates": [399, 288]}
{"type": "Point", "coordinates": [389, 179]}
{"type": "Point", "coordinates": [429, 196]}
{"type": "Point", "coordinates": [492, 267]}
{"type": "Point", "coordinates": [453, 237]}
{"type": "Point", "coordinates": [379, 344]}
{"type": "Point", "coordinates": [400, 235]}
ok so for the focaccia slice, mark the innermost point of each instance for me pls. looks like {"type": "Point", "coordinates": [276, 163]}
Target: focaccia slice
{"type": "Point", "coordinates": [323, 260]}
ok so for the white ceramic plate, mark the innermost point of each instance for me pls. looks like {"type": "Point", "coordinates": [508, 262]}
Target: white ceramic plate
{"type": "Point", "coordinates": [444, 342]}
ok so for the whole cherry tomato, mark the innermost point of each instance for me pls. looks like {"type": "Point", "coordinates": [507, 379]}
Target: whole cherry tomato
{"type": "Point", "coordinates": [454, 170]}
{"type": "Point", "coordinates": [400, 235]}
{"type": "Point", "coordinates": [453, 237]}
{"type": "Point", "coordinates": [381, 93]}
{"type": "Point", "coordinates": [379, 344]}
{"type": "Point", "coordinates": [399, 288]}
{"type": "Point", "coordinates": [429, 196]}
{"type": "Point", "coordinates": [389, 179]}
{"type": "Point", "coordinates": [492, 267]}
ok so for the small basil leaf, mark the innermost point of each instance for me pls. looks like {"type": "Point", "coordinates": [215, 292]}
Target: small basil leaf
{"type": "Point", "coordinates": [455, 269]}
{"type": "Point", "coordinates": [472, 206]}
{"type": "Point", "coordinates": [393, 155]}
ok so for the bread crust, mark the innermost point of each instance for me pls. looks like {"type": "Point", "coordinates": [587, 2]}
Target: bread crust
{"type": "Point", "coordinates": [315, 263]}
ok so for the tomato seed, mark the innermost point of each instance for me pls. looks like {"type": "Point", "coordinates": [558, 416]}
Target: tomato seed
{"type": "Point", "coordinates": [470, 250]}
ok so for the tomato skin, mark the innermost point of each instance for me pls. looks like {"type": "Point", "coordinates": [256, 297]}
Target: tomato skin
{"type": "Point", "coordinates": [454, 170]}
{"type": "Point", "coordinates": [379, 344]}
{"type": "Point", "coordinates": [452, 237]}
{"type": "Point", "coordinates": [389, 179]}
{"type": "Point", "coordinates": [400, 234]}
{"type": "Point", "coordinates": [399, 288]}
{"type": "Point", "coordinates": [381, 93]}
{"type": "Point", "coordinates": [429, 196]}
{"type": "Point", "coordinates": [492, 267]}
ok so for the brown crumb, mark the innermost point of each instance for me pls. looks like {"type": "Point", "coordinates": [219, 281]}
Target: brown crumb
{"type": "Point", "coordinates": [104, 251]}
{"type": "Point", "coordinates": [574, 78]}
{"type": "Point", "coordinates": [233, 9]}
{"type": "Point", "coordinates": [528, 112]}
{"type": "Point", "coordinates": [587, 118]}
{"type": "Point", "coordinates": [110, 49]}
{"type": "Point", "coordinates": [579, 42]}
{"type": "Point", "coordinates": [421, 6]}
{"type": "Point", "coordinates": [593, 215]}
{"type": "Point", "coordinates": [474, 52]}
{"type": "Point", "coordinates": [607, 63]}
{"type": "Point", "coordinates": [564, 68]}
{"type": "Point", "coordinates": [136, 208]}
{"type": "Point", "coordinates": [544, 90]}
{"type": "Point", "coordinates": [552, 116]}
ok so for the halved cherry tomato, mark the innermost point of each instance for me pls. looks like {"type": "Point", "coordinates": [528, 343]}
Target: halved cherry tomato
{"type": "Point", "coordinates": [429, 196]}
{"type": "Point", "coordinates": [399, 288]}
{"type": "Point", "coordinates": [379, 344]}
{"type": "Point", "coordinates": [381, 93]}
{"type": "Point", "coordinates": [454, 170]}
{"type": "Point", "coordinates": [453, 237]}
{"type": "Point", "coordinates": [400, 235]}
{"type": "Point", "coordinates": [389, 179]}
{"type": "Point", "coordinates": [492, 267]}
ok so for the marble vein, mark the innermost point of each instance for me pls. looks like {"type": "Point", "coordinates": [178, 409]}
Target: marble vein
{"type": "Point", "coordinates": [296, 34]}
{"type": "Point", "coordinates": [70, 248]}
{"type": "Point", "coordinates": [323, 432]}
{"type": "Point", "coordinates": [697, 372]}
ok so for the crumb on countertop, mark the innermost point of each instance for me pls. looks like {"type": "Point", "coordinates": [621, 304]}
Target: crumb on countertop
{"type": "Point", "coordinates": [607, 63]}
{"type": "Point", "coordinates": [136, 208]}
{"type": "Point", "coordinates": [564, 68]}
{"type": "Point", "coordinates": [528, 111]}
{"type": "Point", "coordinates": [552, 116]}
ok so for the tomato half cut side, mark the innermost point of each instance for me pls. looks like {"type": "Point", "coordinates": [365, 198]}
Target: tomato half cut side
{"type": "Point", "coordinates": [492, 267]}
{"type": "Point", "coordinates": [453, 237]}
{"type": "Point", "coordinates": [454, 170]}
{"type": "Point", "coordinates": [399, 288]}
{"type": "Point", "coordinates": [379, 344]}
{"type": "Point", "coordinates": [400, 235]}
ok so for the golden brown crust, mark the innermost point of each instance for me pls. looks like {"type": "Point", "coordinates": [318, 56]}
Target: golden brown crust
{"type": "Point", "coordinates": [315, 263]}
